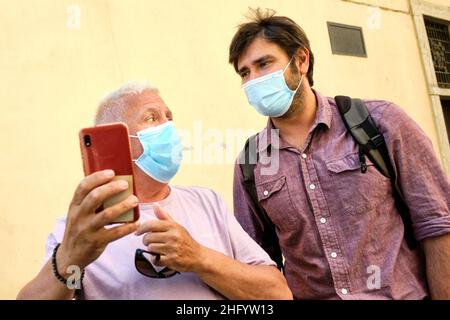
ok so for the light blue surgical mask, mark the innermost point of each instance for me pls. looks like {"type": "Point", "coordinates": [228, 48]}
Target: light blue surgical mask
{"type": "Point", "coordinates": [269, 94]}
{"type": "Point", "coordinates": [162, 151]}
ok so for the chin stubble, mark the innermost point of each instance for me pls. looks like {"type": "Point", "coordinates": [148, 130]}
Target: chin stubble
{"type": "Point", "coordinates": [297, 105]}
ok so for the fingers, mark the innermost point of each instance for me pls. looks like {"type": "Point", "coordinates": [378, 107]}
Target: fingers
{"type": "Point", "coordinates": [164, 223]}
{"type": "Point", "coordinates": [163, 261]}
{"type": "Point", "coordinates": [98, 195]}
{"type": "Point", "coordinates": [156, 259]}
{"type": "Point", "coordinates": [162, 214]}
{"type": "Point", "coordinates": [90, 182]}
{"type": "Point", "coordinates": [158, 248]}
{"type": "Point", "coordinates": [153, 226]}
{"type": "Point", "coordinates": [121, 231]}
{"type": "Point", "coordinates": [151, 237]}
{"type": "Point", "coordinates": [108, 215]}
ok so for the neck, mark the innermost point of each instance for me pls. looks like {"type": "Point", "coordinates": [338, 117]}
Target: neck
{"type": "Point", "coordinates": [294, 127]}
{"type": "Point", "coordinates": [148, 189]}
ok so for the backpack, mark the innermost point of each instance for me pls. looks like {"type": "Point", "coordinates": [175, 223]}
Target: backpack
{"type": "Point", "coordinates": [371, 143]}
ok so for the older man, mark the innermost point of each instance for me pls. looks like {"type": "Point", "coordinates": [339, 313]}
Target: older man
{"type": "Point", "coordinates": [206, 253]}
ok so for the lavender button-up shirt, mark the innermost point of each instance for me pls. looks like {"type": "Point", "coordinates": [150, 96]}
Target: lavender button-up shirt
{"type": "Point", "coordinates": [339, 230]}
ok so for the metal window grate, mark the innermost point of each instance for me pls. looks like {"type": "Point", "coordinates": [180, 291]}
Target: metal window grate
{"type": "Point", "coordinates": [346, 40]}
{"type": "Point", "coordinates": [439, 39]}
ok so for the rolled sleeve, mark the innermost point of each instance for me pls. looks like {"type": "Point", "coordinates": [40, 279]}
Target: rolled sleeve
{"type": "Point", "coordinates": [423, 182]}
{"type": "Point", "coordinates": [433, 227]}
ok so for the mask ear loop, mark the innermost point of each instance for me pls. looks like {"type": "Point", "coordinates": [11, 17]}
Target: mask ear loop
{"type": "Point", "coordinates": [301, 79]}
{"type": "Point", "coordinates": [300, 83]}
{"type": "Point", "coordinates": [285, 68]}
{"type": "Point", "coordinates": [132, 136]}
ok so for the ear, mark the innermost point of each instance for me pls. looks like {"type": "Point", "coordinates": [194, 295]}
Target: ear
{"type": "Point", "coordinates": [302, 60]}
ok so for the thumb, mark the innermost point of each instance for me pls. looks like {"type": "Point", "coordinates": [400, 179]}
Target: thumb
{"type": "Point", "coordinates": [162, 214]}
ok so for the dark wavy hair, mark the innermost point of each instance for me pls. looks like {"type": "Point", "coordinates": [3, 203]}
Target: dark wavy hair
{"type": "Point", "coordinates": [282, 31]}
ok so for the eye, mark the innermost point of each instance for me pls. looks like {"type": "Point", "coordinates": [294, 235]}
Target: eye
{"type": "Point", "coordinates": [264, 64]}
{"type": "Point", "coordinates": [244, 74]}
{"type": "Point", "coordinates": [150, 119]}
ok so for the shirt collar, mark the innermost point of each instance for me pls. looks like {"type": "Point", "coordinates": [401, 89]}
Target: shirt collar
{"type": "Point", "coordinates": [323, 116]}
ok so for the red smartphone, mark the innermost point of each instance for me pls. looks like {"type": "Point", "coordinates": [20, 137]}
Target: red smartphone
{"type": "Point", "coordinates": [107, 146]}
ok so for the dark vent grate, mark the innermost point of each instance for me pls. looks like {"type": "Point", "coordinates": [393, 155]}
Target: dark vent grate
{"type": "Point", "coordinates": [346, 40]}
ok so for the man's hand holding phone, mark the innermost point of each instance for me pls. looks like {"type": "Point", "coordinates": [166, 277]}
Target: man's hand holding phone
{"type": "Point", "coordinates": [85, 236]}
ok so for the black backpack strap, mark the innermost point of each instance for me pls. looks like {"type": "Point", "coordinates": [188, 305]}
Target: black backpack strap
{"type": "Point", "coordinates": [371, 143]}
{"type": "Point", "coordinates": [247, 163]}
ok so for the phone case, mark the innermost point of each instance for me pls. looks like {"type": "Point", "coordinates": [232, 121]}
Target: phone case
{"type": "Point", "coordinates": [108, 147]}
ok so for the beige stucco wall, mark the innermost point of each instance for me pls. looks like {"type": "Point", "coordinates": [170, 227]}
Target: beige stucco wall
{"type": "Point", "coordinates": [52, 77]}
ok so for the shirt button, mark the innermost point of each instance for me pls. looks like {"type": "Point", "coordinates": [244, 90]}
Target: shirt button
{"type": "Point", "coordinates": [266, 192]}
{"type": "Point", "coordinates": [304, 156]}
{"type": "Point", "coordinates": [333, 254]}
{"type": "Point", "coordinates": [312, 186]}
{"type": "Point", "coordinates": [323, 220]}
{"type": "Point", "coordinates": [344, 291]}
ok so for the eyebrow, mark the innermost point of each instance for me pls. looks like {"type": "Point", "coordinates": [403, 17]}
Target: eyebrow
{"type": "Point", "coordinates": [257, 61]}
{"type": "Point", "coordinates": [156, 109]}
{"type": "Point", "coordinates": [150, 109]}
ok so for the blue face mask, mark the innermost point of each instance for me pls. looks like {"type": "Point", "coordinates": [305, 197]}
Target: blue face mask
{"type": "Point", "coordinates": [162, 151]}
{"type": "Point", "coordinates": [269, 94]}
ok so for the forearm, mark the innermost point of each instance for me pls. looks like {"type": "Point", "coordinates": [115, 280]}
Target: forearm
{"type": "Point", "coordinates": [236, 280]}
{"type": "Point", "coordinates": [437, 253]}
{"type": "Point", "coordinates": [45, 286]}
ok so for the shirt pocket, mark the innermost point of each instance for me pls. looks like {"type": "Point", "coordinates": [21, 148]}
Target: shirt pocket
{"type": "Point", "coordinates": [275, 198]}
{"type": "Point", "coordinates": [357, 192]}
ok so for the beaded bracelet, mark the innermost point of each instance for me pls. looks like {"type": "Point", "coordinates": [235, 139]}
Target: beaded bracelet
{"type": "Point", "coordinates": [55, 268]}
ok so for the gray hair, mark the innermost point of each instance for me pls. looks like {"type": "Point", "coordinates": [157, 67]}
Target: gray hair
{"type": "Point", "coordinates": [112, 107]}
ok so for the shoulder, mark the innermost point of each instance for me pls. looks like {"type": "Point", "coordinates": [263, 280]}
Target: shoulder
{"type": "Point", "coordinates": [386, 114]}
{"type": "Point", "coordinates": [391, 118]}
{"type": "Point", "coordinates": [378, 109]}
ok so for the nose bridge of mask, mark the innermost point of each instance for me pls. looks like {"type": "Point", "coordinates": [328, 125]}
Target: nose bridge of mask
{"type": "Point", "coordinates": [279, 73]}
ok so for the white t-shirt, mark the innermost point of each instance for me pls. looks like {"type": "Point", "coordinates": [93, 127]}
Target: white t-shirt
{"type": "Point", "coordinates": [205, 216]}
